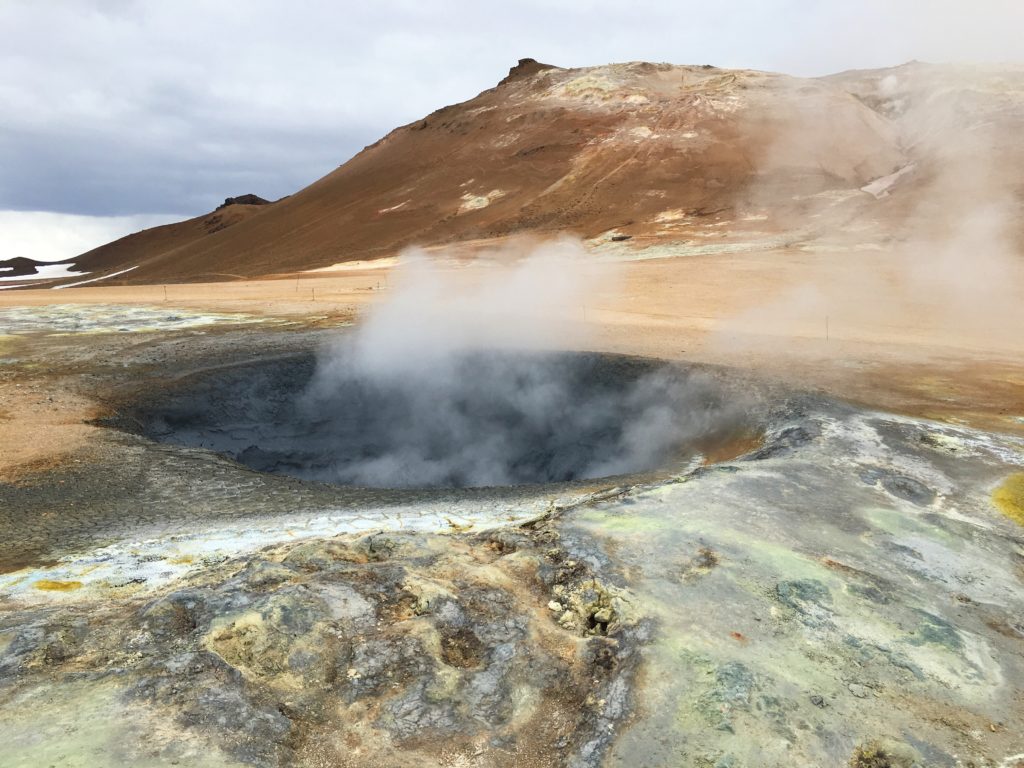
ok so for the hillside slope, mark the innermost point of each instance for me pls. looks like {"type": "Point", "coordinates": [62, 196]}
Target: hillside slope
{"type": "Point", "coordinates": [628, 150]}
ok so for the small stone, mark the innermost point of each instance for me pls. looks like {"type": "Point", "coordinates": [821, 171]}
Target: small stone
{"type": "Point", "coordinates": [555, 606]}
{"type": "Point", "coordinates": [859, 690]}
{"type": "Point", "coordinates": [603, 616]}
{"type": "Point", "coordinates": [818, 701]}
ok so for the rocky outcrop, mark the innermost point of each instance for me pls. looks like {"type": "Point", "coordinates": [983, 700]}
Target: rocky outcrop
{"type": "Point", "coordinates": [525, 68]}
{"type": "Point", "coordinates": [243, 200]}
{"type": "Point", "coordinates": [372, 651]}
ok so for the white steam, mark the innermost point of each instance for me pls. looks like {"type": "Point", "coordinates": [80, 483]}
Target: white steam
{"type": "Point", "coordinates": [452, 381]}
{"type": "Point", "coordinates": [521, 296]}
{"type": "Point", "coordinates": [938, 256]}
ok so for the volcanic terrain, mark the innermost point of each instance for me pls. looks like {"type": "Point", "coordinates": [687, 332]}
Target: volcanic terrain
{"type": "Point", "coordinates": [634, 415]}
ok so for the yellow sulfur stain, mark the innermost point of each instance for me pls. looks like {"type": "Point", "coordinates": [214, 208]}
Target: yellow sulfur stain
{"type": "Point", "coordinates": [57, 586]}
{"type": "Point", "coordinates": [1009, 497]}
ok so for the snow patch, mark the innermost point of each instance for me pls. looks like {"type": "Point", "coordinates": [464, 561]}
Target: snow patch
{"type": "Point", "coordinates": [95, 279]}
{"type": "Point", "coordinates": [471, 202]}
{"type": "Point", "coordinates": [881, 187]}
{"type": "Point", "coordinates": [48, 272]}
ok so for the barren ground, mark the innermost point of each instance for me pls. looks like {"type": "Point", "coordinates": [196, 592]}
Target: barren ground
{"type": "Point", "coordinates": [847, 587]}
{"type": "Point", "coordinates": [728, 309]}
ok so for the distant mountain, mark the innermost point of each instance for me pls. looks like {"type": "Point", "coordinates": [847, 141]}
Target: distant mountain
{"type": "Point", "coordinates": [639, 155]}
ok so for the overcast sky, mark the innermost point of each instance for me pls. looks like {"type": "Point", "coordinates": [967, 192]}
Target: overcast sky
{"type": "Point", "coordinates": [130, 112]}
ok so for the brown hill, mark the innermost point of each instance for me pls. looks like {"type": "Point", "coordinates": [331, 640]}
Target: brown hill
{"type": "Point", "coordinates": [652, 153]}
{"type": "Point", "coordinates": [163, 242]}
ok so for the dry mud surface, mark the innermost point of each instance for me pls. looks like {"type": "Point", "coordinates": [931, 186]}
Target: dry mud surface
{"type": "Point", "coordinates": [849, 586]}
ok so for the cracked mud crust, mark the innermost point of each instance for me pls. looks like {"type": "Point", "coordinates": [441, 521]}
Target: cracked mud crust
{"type": "Point", "coordinates": [381, 650]}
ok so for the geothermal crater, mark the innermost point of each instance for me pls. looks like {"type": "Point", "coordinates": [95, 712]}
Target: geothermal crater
{"type": "Point", "coordinates": [458, 420]}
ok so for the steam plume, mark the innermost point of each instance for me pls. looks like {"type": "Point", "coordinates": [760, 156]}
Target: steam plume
{"type": "Point", "coordinates": [450, 383]}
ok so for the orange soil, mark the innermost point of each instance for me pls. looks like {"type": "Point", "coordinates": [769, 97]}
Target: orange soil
{"type": "Point", "coordinates": [918, 362]}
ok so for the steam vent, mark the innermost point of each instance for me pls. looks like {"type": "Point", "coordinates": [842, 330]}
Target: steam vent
{"type": "Point", "coordinates": [483, 419]}
{"type": "Point", "coordinates": [628, 416]}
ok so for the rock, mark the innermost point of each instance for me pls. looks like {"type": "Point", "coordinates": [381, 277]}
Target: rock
{"type": "Point", "coordinates": [885, 754]}
{"type": "Point", "coordinates": [173, 617]}
{"type": "Point", "coordinates": [858, 690]}
{"type": "Point", "coordinates": [249, 199]}
{"type": "Point", "coordinates": [462, 648]}
{"type": "Point", "coordinates": [264, 573]}
{"type": "Point", "coordinates": [525, 68]}
{"type": "Point", "coordinates": [937, 631]}
{"type": "Point", "coordinates": [320, 555]}
{"type": "Point", "coordinates": [254, 734]}
{"type": "Point", "coordinates": [345, 605]}
{"type": "Point", "coordinates": [732, 690]}
{"type": "Point", "coordinates": [262, 643]}
{"type": "Point", "coordinates": [406, 642]}
{"type": "Point", "coordinates": [900, 486]}
{"type": "Point", "coordinates": [809, 598]}
{"type": "Point", "coordinates": [785, 441]}
{"type": "Point", "coordinates": [384, 546]}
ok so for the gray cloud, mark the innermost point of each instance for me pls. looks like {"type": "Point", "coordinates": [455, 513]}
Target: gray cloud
{"type": "Point", "coordinates": [122, 106]}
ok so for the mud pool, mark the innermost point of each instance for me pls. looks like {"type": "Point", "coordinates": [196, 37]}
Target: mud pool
{"type": "Point", "coordinates": [481, 419]}
{"type": "Point", "coordinates": [847, 581]}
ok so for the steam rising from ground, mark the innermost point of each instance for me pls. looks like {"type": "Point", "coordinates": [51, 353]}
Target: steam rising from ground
{"type": "Point", "coordinates": [447, 383]}
{"type": "Point", "coordinates": [486, 418]}
{"type": "Point", "coordinates": [521, 296]}
{"type": "Point", "coordinates": [459, 378]}
{"type": "Point", "coordinates": [941, 250]}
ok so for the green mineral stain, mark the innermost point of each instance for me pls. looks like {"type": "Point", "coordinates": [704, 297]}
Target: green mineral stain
{"type": "Point", "coordinates": [895, 523]}
{"type": "Point", "coordinates": [937, 631]}
{"type": "Point", "coordinates": [803, 592]}
{"type": "Point", "coordinates": [781, 560]}
{"type": "Point", "coordinates": [88, 725]}
{"type": "Point", "coordinates": [625, 522]}
{"type": "Point", "coordinates": [1009, 497]}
